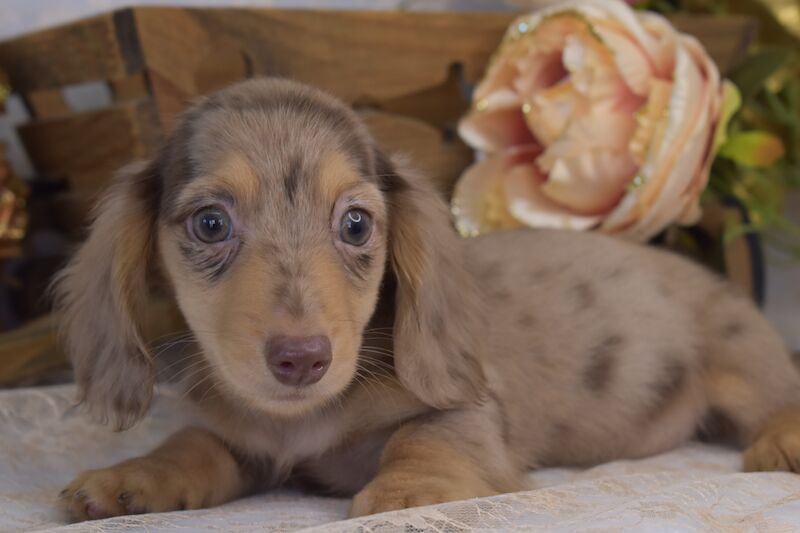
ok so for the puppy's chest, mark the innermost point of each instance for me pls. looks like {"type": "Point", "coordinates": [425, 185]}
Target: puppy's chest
{"type": "Point", "coordinates": [347, 467]}
{"type": "Point", "coordinates": [318, 453]}
{"type": "Point", "coordinates": [291, 442]}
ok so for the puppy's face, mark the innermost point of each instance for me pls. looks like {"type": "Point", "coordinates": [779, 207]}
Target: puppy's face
{"type": "Point", "coordinates": [273, 215]}
{"type": "Point", "coordinates": [273, 230]}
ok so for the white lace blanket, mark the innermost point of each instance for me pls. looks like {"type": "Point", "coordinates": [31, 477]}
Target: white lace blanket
{"type": "Point", "coordinates": [43, 443]}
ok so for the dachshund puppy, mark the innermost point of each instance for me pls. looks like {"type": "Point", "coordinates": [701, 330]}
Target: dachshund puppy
{"type": "Point", "coordinates": [349, 339]}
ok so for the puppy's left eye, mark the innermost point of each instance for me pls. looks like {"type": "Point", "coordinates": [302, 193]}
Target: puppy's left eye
{"type": "Point", "coordinates": [356, 227]}
{"type": "Point", "coordinates": [211, 224]}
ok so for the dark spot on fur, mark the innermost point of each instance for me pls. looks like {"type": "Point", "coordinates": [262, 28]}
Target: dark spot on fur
{"type": "Point", "coordinates": [437, 325]}
{"type": "Point", "coordinates": [358, 266]}
{"type": "Point", "coordinates": [541, 273]}
{"type": "Point", "coordinates": [718, 427]}
{"type": "Point", "coordinates": [208, 262]}
{"type": "Point", "coordinates": [505, 425]}
{"type": "Point", "coordinates": [733, 329]}
{"type": "Point", "coordinates": [284, 270]}
{"type": "Point", "coordinates": [465, 369]}
{"type": "Point", "coordinates": [673, 380]}
{"type": "Point", "coordinates": [291, 180]}
{"type": "Point", "coordinates": [303, 103]}
{"type": "Point", "coordinates": [363, 263]}
{"type": "Point", "coordinates": [561, 432]}
{"type": "Point", "coordinates": [615, 273]}
{"type": "Point", "coordinates": [670, 384]}
{"type": "Point", "coordinates": [584, 295]}
{"type": "Point", "coordinates": [526, 320]}
{"type": "Point", "coordinates": [502, 295]}
{"type": "Point", "coordinates": [597, 375]}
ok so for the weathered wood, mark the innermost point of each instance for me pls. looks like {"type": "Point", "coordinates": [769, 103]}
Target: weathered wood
{"type": "Point", "coordinates": [374, 56]}
{"type": "Point", "coordinates": [401, 63]}
{"type": "Point", "coordinates": [440, 158]}
{"type": "Point", "coordinates": [98, 48]}
{"type": "Point", "coordinates": [130, 88]}
{"type": "Point", "coordinates": [736, 254]}
{"type": "Point", "coordinates": [46, 103]}
{"type": "Point", "coordinates": [726, 39]}
{"type": "Point", "coordinates": [29, 352]}
{"type": "Point", "coordinates": [89, 147]}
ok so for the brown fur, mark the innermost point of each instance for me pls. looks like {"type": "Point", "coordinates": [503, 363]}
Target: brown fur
{"type": "Point", "coordinates": [457, 364]}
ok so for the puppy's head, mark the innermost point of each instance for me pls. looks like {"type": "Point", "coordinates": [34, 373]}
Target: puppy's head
{"type": "Point", "coordinates": [276, 221]}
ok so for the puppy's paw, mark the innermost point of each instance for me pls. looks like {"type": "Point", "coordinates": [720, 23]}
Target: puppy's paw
{"type": "Point", "coordinates": [394, 491]}
{"type": "Point", "coordinates": [141, 485]}
{"type": "Point", "coordinates": [777, 448]}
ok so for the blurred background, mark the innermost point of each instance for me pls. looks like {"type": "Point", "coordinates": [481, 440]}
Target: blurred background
{"type": "Point", "coordinates": [27, 278]}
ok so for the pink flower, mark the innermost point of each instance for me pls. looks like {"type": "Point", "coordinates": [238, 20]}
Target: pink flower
{"type": "Point", "coordinates": [591, 116]}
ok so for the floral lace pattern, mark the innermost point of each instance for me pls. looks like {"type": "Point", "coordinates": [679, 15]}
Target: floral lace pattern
{"type": "Point", "coordinates": [45, 441]}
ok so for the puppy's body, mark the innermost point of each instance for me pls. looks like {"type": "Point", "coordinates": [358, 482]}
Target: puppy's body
{"type": "Point", "coordinates": [457, 365]}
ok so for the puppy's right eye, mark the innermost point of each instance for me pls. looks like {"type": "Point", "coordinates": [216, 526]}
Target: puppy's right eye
{"type": "Point", "coordinates": [356, 227]}
{"type": "Point", "coordinates": [212, 224]}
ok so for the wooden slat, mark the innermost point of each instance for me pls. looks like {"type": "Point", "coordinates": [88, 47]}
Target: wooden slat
{"type": "Point", "coordinates": [375, 56]}
{"type": "Point", "coordinates": [46, 103]}
{"type": "Point", "coordinates": [30, 352]}
{"type": "Point", "coordinates": [130, 88]}
{"type": "Point", "coordinates": [370, 55]}
{"type": "Point", "coordinates": [440, 159]}
{"type": "Point", "coordinates": [88, 147]}
{"type": "Point", "coordinates": [725, 38]}
{"type": "Point", "coordinates": [98, 48]}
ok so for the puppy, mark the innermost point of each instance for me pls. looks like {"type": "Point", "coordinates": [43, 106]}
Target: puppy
{"type": "Point", "coordinates": [349, 339]}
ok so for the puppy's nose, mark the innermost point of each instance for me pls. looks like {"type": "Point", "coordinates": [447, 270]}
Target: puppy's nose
{"type": "Point", "coordinates": [299, 360]}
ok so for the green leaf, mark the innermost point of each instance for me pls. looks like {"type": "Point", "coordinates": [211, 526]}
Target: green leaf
{"type": "Point", "coordinates": [753, 148]}
{"type": "Point", "coordinates": [731, 102]}
{"type": "Point", "coordinates": [751, 75]}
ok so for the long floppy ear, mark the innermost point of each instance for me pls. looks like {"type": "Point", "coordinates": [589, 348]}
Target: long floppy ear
{"type": "Point", "coordinates": [100, 297]}
{"type": "Point", "coordinates": [438, 310]}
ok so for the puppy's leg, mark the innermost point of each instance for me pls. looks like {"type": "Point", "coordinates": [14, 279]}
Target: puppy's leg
{"type": "Point", "coordinates": [190, 470]}
{"type": "Point", "coordinates": [752, 381]}
{"type": "Point", "coordinates": [447, 456]}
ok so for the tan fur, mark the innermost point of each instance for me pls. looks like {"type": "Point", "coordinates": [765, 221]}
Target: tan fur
{"type": "Point", "coordinates": [458, 364]}
{"type": "Point", "coordinates": [191, 470]}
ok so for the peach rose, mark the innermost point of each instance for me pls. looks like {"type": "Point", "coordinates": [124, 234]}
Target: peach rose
{"type": "Point", "coordinates": [591, 116]}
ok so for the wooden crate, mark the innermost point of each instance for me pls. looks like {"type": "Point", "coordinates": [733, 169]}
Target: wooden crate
{"type": "Point", "coordinates": [407, 72]}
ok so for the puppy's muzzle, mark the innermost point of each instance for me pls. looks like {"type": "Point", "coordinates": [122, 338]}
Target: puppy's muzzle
{"type": "Point", "coordinates": [298, 361]}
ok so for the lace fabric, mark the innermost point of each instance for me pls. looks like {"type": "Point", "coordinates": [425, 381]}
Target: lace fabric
{"type": "Point", "coordinates": [45, 441]}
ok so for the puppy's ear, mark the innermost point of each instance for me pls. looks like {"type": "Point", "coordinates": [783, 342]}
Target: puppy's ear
{"type": "Point", "coordinates": [100, 295]}
{"type": "Point", "coordinates": [438, 312]}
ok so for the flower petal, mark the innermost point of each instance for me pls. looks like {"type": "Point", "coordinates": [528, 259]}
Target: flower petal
{"type": "Point", "coordinates": [529, 206]}
{"type": "Point", "coordinates": [676, 171]}
{"type": "Point", "coordinates": [494, 130]}
{"type": "Point", "coordinates": [479, 202]}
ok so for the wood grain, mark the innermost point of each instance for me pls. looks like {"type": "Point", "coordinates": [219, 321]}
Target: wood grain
{"type": "Point", "coordinates": [82, 51]}
{"type": "Point", "coordinates": [89, 147]}
{"type": "Point", "coordinates": [46, 103]}
{"type": "Point", "coordinates": [441, 158]}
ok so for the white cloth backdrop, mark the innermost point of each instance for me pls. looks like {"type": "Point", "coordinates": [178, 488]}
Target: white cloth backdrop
{"type": "Point", "coordinates": [44, 442]}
